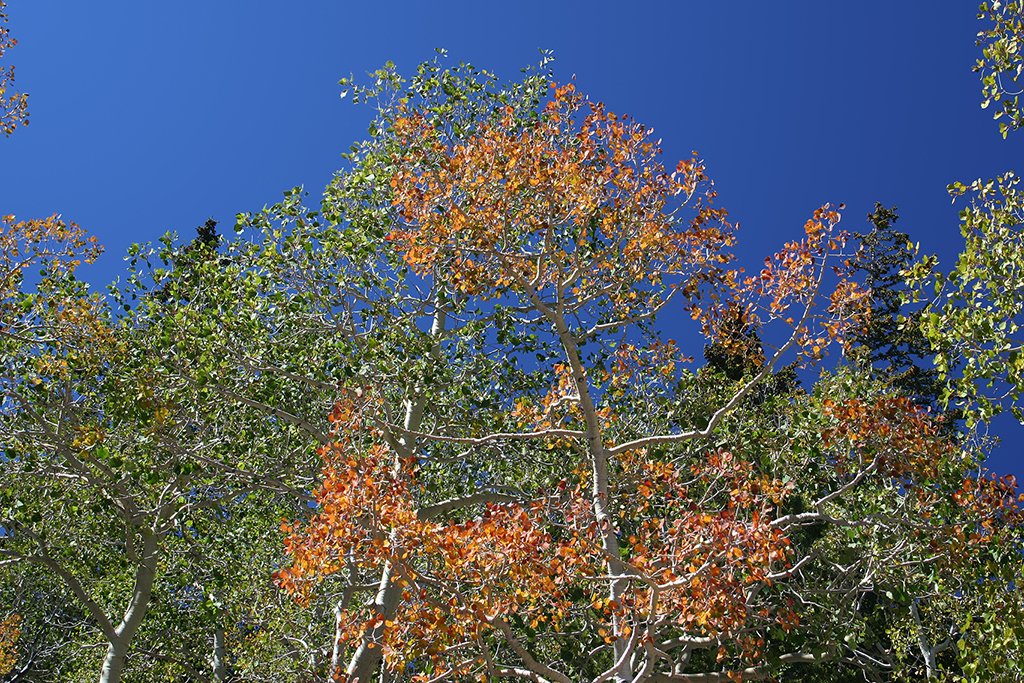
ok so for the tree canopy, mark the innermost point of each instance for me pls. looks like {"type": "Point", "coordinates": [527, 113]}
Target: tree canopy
{"type": "Point", "coordinates": [433, 429]}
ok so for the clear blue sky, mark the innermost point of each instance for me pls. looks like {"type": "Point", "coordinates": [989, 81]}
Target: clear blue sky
{"type": "Point", "coordinates": [148, 117]}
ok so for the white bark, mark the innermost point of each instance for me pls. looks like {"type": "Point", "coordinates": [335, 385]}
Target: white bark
{"type": "Point", "coordinates": [929, 653]}
{"type": "Point", "coordinates": [368, 654]}
{"type": "Point", "coordinates": [336, 648]}
{"type": "Point", "coordinates": [599, 494]}
{"type": "Point", "coordinates": [219, 663]}
{"type": "Point", "coordinates": [145, 575]}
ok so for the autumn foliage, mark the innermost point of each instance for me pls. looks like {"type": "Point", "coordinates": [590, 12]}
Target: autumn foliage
{"type": "Point", "coordinates": [642, 547]}
{"type": "Point", "coordinates": [10, 632]}
{"type": "Point", "coordinates": [701, 538]}
{"type": "Point", "coordinates": [49, 244]}
{"type": "Point", "coordinates": [451, 390]}
{"type": "Point", "coordinates": [535, 206]}
{"type": "Point", "coordinates": [65, 319]}
{"type": "Point", "coordinates": [13, 106]}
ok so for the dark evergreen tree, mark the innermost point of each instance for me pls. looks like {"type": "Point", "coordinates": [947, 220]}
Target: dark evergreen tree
{"type": "Point", "coordinates": [890, 342]}
{"type": "Point", "coordinates": [206, 235]}
{"type": "Point", "coordinates": [738, 352]}
{"type": "Point", "coordinates": [891, 346]}
{"type": "Point", "coordinates": [187, 262]}
{"type": "Point", "coordinates": [737, 349]}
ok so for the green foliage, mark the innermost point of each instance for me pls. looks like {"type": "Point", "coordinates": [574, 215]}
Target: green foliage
{"type": "Point", "coordinates": [1002, 62]}
{"type": "Point", "coordinates": [992, 644]}
{"type": "Point", "coordinates": [162, 445]}
{"type": "Point", "coordinates": [974, 312]}
{"type": "Point", "coordinates": [174, 437]}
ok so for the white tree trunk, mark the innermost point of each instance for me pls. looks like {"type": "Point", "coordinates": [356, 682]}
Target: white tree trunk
{"type": "Point", "coordinates": [368, 655]}
{"type": "Point", "coordinates": [117, 649]}
{"type": "Point", "coordinates": [219, 662]}
{"type": "Point", "coordinates": [599, 494]}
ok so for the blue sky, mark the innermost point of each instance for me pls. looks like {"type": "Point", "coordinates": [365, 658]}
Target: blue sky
{"type": "Point", "coordinates": [148, 117]}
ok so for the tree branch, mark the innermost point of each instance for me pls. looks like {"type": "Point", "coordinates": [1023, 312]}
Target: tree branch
{"type": "Point", "coordinates": [438, 509]}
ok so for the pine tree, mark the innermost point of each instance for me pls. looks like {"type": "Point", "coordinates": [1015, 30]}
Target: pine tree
{"type": "Point", "coordinates": [889, 342]}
